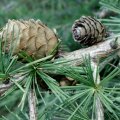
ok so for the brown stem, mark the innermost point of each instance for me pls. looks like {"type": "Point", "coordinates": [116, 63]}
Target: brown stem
{"type": "Point", "coordinates": [100, 50]}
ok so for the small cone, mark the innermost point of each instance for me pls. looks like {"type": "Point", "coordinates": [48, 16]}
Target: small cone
{"type": "Point", "coordinates": [33, 37]}
{"type": "Point", "coordinates": [88, 31]}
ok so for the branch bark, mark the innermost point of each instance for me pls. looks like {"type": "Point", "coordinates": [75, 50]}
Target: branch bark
{"type": "Point", "coordinates": [32, 105]}
{"type": "Point", "coordinates": [99, 113]}
{"type": "Point", "coordinates": [99, 50]}
{"type": "Point", "coordinates": [4, 87]}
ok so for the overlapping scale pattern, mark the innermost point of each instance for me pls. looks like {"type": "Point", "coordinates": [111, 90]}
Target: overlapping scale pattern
{"type": "Point", "coordinates": [32, 36]}
{"type": "Point", "coordinates": [88, 31]}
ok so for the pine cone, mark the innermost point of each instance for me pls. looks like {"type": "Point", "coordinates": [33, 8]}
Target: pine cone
{"type": "Point", "coordinates": [32, 36]}
{"type": "Point", "coordinates": [88, 31]}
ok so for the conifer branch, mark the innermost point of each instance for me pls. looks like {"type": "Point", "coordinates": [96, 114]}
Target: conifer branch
{"type": "Point", "coordinates": [100, 50]}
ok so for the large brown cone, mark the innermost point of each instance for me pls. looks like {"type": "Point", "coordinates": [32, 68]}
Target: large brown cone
{"type": "Point", "coordinates": [32, 36]}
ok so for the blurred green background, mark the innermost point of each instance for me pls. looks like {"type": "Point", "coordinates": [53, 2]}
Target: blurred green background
{"type": "Point", "coordinates": [59, 14]}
